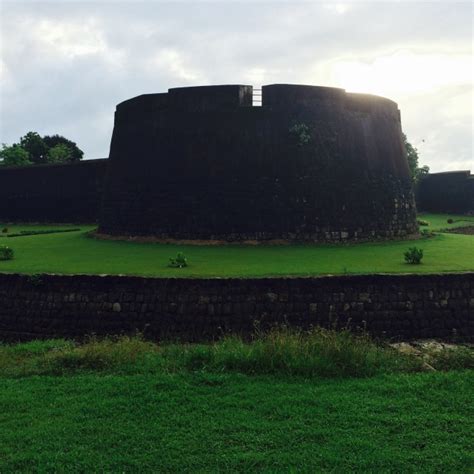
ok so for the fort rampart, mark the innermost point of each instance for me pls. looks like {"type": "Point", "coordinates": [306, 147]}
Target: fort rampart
{"type": "Point", "coordinates": [309, 164]}
{"type": "Point", "coordinates": [451, 191]}
{"type": "Point", "coordinates": [52, 193]}
{"type": "Point", "coordinates": [394, 306]}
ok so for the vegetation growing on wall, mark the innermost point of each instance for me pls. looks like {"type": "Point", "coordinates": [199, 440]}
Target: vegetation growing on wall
{"type": "Point", "coordinates": [301, 133]}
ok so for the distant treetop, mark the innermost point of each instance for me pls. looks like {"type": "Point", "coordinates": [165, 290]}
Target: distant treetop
{"type": "Point", "coordinates": [413, 161]}
{"type": "Point", "coordinates": [35, 150]}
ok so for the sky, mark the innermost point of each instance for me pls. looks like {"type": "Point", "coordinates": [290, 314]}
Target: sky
{"type": "Point", "coordinates": [64, 65]}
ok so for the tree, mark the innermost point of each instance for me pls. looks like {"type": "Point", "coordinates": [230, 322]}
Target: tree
{"type": "Point", "coordinates": [34, 149]}
{"type": "Point", "coordinates": [14, 155]}
{"type": "Point", "coordinates": [59, 154]}
{"type": "Point", "coordinates": [413, 161]}
{"type": "Point", "coordinates": [53, 140]}
{"type": "Point", "coordinates": [35, 146]}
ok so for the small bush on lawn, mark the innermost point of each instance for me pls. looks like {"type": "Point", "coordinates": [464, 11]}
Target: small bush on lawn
{"type": "Point", "coordinates": [6, 253]}
{"type": "Point", "coordinates": [179, 262]}
{"type": "Point", "coordinates": [413, 255]}
{"type": "Point", "coordinates": [422, 222]}
{"type": "Point", "coordinates": [5, 230]}
{"type": "Point", "coordinates": [427, 233]}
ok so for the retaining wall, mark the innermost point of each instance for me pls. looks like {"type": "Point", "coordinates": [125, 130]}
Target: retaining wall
{"type": "Point", "coordinates": [395, 306]}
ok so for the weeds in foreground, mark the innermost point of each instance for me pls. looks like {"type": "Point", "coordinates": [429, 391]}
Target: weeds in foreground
{"type": "Point", "coordinates": [315, 353]}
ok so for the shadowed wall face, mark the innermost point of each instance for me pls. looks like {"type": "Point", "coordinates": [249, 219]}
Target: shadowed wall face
{"type": "Point", "coordinates": [312, 163]}
{"type": "Point", "coordinates": [395, 306]}
{"type": "Point", "coordinates": [446, 192]}
{"type": "Point", "coordinates": [52, 193]}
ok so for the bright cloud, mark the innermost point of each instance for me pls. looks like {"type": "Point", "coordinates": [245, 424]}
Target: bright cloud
{"type": "Point", "coordinates": [68, 38]}
{"type": "Point", "coordinates": [172, 61]}
{"type": "Point", "coordinates": [401, 73]}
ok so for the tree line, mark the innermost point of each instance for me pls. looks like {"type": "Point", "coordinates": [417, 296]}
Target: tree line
{"type": "Point", "coordinates": [33, 149]}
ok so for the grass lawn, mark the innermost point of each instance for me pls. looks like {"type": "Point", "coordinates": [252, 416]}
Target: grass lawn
{"type": "Point", "coordinates": [131, 406]}
{"type": "Point", "coordinates": [201, 422]}
{"type": "Point", "coordinates": [74, 252]}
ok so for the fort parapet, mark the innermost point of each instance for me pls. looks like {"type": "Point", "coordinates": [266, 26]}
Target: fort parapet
{"type": "Point", "coordinates": [309, 164]}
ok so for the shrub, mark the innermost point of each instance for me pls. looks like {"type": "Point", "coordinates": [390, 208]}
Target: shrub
{"type": "Point", "coordinates": [179, 262]}
{"type": "Point", "coordinates": [422, 222]}
{"type": "Point", "coordinates": [413, 255]}
{"type": "Point", "coordinates": [427, 233]}
{"type": "Point", "coordinates": [6, 253]}
{"type": "Point", "coordinates": [5, 230]}
{"type": "Point", "coordinates": [450, 221]}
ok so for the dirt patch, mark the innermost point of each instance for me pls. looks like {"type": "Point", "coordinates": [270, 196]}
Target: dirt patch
{"type": "Point", "coordinates": [151, 239]}
{"type": "Point", "coordinates": [428, 350]}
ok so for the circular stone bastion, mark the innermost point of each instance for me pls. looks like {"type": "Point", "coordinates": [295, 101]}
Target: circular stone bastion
{"type": "Point", "coordinates": [307, 164]}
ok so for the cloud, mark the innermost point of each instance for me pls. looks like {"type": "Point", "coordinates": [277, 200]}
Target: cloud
{"type": "Point", "coordinates": [65, 65]}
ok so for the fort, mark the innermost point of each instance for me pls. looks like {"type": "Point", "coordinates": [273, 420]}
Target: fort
{"type": "Point", "coordinates": [309, 164]}
{"type": "Point", "coordinates": [205, 163]}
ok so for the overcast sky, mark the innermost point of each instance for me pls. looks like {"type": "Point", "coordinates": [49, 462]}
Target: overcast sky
{"type": "Point", "coordinates": [65, 65]}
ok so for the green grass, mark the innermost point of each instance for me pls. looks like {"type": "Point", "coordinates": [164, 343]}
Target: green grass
{"type": "Point", "coordinates": [75, 252]}
{"type": "Point", "coordinates": [110, 409]}
{"type": "Point", "coordinates": [439, 221]}
{"type": "Point", "coordinates": [281, 351]}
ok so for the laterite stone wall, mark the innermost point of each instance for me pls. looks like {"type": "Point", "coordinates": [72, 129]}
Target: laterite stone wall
{"type": "Point", "coordinates": [310, 164]}
{"type": "Point", "coordinates": [451, 191]}
{"type": "Point", "coordinates": [394, 306]}
{"type": "Point", "coordinates": [52, 193]}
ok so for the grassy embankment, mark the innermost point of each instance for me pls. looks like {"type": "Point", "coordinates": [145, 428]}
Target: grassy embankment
{"type": "Point", "coordinates": [75, 252]}
{"type": "Point", "coordinates": [326, 401]}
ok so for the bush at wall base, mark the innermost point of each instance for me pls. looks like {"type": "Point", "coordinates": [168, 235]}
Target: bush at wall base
{"type": "Point", "coordinates": [6, 253]}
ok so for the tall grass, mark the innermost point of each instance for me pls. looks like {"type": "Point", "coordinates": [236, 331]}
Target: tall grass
{"type": "Point", "coordinates": [315, 353]}
{"type": "Point", "coordinates": [320, 352]}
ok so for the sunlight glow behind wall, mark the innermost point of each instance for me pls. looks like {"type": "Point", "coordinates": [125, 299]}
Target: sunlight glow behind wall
{"type": "Point", "coordinates": [400, 74]}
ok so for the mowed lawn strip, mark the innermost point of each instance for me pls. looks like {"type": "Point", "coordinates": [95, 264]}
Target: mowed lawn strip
{"type": "Point", "coordinates": [75, 252]}
{"type": "Point", "coordinates": [204, 422]}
